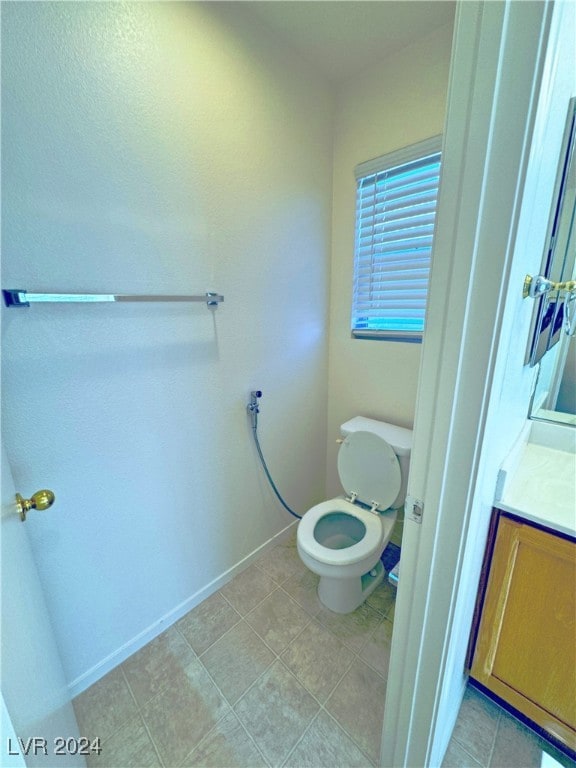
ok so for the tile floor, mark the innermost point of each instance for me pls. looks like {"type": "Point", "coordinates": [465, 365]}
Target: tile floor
{"type": "Point", "coordinates": [487, 736]}
{"type": "Point", "coordinates": [262, 675]}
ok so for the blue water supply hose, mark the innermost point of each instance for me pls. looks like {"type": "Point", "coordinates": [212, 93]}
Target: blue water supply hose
{"type": "Point", "coordinates": [253, 409]}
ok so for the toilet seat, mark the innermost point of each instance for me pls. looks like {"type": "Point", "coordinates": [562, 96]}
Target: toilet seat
{"type": "Point", "coordinates": [370, 542]}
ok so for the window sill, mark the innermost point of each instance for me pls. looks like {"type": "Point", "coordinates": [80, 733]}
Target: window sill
{"type": "Point", "coordinates": [410, 337]}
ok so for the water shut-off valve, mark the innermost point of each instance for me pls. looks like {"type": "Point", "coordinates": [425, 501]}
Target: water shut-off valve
{"type": "Point", "coordinates": [252, 407]}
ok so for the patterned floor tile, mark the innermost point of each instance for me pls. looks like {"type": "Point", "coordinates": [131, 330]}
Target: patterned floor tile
{"type": "Point", "coordinates": [157, 664]}
{"type": "Point", "coordinates": [248, 589]}
{"type": "Point", "coordinates": [281, 562]}
{"type": "Point", "coordinates": [129, 747]}
{"type": "Point", "coordinates": [303, 587]}
{"type": "Point", "coordinates": [208, 622]}
{"type": "Point", "coordinates": [325, 745]}
{"type": "Point", "coordinates": [237, 660]}
{"type": "Point", "coordinates": [278, 620]}
{"type": "Point", "coordinates": [358, 706]}
{"type": "Point", "coordinates": [383, 598]}
{"type": "Point", "coordinates": [105, 706]}
{"type": "Point", "coordinates": [476, 726]}
{"type": "Point", "coordinates": [226, 746]}
{"type": "Point", "coordinates": [376, 652]}
{"type": "Point", "coordinates": [182, 714]}
{"type": "Point", "coordinates": [318, 659]}
{"type": "Point", "coordinates": [354, 628]}
{"type": "Point", "coordinates": [275, 712]}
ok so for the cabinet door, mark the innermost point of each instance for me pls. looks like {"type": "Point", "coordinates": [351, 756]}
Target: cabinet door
{"type": "Point", "coordinates": [526, 647]}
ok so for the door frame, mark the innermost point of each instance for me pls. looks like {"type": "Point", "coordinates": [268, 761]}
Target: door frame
{"type": "Point", "coordinates": [498, 69]}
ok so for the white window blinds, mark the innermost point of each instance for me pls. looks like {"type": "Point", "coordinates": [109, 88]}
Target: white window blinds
{"type": "Point", "coordinates": [395, 213]}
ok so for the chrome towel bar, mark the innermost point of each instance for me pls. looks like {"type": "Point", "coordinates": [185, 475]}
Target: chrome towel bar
{"type": "Point", "coordinates": [18, 298]}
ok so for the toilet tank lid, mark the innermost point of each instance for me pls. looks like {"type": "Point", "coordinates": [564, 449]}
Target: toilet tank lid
{"type": "Point", "coordinates": [399, 438]}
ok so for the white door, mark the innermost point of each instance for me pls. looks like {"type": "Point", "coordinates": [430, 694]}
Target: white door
{"type": "Point", "coordinates": [38, 724]}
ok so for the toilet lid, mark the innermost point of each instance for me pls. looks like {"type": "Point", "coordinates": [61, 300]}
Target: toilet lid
{"type": "Point", "coordinates": [368, 466]}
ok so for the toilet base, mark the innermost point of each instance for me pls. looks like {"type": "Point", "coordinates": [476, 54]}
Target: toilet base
{"type": "Point", "coordinates": [345, 595]}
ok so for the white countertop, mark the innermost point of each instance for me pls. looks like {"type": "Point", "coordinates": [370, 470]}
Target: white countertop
{"type": "Point", "coordinates": [540, 486]}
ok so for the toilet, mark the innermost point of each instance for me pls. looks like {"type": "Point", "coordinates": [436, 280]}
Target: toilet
{"type": "Point", "coordinates": [342, 539]}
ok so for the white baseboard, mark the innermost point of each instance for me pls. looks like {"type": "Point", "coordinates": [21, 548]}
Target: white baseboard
{"type": "Point", "coordinates": [95, 673]}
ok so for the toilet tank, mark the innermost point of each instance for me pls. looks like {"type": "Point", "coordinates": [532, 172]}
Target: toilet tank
{"type": "Point", "coordinates": [398, 438]}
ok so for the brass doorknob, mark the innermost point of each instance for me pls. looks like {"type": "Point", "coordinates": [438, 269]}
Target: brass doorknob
{"type": "Point", "coordinates": [40, 500]}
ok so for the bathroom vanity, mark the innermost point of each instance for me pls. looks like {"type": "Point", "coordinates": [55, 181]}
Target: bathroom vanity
{"type": "Point", "coordinates": [523, 643]}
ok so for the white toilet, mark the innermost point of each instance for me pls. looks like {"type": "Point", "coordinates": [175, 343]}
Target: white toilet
{"type": "Point", "coordinates": [342, 539]}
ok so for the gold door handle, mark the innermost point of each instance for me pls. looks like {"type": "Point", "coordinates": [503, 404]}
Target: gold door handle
{"type": "Point", "coordinates": [40, 500]}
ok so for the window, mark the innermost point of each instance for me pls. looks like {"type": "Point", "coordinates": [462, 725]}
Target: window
{"type": "Point", "coordinates": [395, 211]}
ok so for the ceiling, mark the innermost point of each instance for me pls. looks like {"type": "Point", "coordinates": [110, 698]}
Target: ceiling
{"type": "Point", "coordinates": [343, 37]}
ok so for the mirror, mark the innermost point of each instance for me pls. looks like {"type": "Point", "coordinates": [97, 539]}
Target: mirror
{"type": "Point", "coordinates": [551, 346]}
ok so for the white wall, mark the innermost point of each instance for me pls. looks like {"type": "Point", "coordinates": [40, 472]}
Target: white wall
{"type": "Point", "coordinates": [400, 101]}
{"type": "Point", "coordinates": [159, 148]}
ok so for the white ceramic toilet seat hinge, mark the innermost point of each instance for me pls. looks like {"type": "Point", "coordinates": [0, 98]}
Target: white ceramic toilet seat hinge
{"type": "Point", "coordinates": [374, 507]}
{"type": "Point", "coordinates": [353, 496]}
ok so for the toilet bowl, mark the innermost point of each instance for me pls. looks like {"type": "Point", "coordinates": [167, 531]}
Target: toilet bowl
{"type": "Point", "coordinates": [342, 539]}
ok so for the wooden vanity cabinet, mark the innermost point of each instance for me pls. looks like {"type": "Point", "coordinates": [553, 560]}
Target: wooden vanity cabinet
{"type": "Point", "coordinates": [525, 649]}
